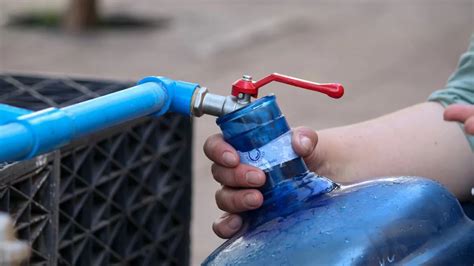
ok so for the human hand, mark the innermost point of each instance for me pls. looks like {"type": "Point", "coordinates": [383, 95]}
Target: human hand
{"type": "Point", "coordinates": [240, 182]}
{"type": "Point", "coordinates": [462, 113]}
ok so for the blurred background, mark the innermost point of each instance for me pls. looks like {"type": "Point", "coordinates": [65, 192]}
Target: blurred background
{"type": "Point", "coordinates": [388, 54]}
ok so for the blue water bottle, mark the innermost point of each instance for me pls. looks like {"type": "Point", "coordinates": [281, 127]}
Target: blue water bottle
{"type": "Point", "coordinates": [307, 219]}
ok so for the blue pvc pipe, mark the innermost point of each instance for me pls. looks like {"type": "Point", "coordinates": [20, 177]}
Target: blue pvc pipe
{"type": "Point", "coordinates": [9, 113]}
{"type": "Point", "coordinates": [115, 108]}
{"type": "Point", "coordinates": [35, 133]}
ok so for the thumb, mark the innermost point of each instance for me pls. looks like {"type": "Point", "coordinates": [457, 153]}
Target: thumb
{"type": "Point", "coordinates": [458, 112]}
{"type": "Point", "coordinates": [304, 141]}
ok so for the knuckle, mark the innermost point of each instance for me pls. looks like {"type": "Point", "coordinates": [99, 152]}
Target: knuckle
{"type": "Point", "coordinates": [219, 200]}
{"type": "Point", "coordinates": [239, 175]}
{"type": "Point", "coordinates": [224, 176]}
{"type": "Point", "coordinates": [211, 144]}
{"type": "Point", "coordinates": [216, 227]}
{"type": "Point", "coordinates": [224, 199]}
{"type": "Point", "coordinates": [207, 145]}
{"type": "Point", "coordinates": [228, 176]}
{"type": "Point", "coordinates": [215, 171]}
{"type": "Point", "coordinates": [236, 202]}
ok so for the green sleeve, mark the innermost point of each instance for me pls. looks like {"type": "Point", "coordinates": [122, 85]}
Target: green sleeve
{"type": "Point", "coordinates": [460, 86]}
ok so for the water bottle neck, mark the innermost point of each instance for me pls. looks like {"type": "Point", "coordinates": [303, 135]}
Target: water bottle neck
{"type": "Point", "coordinates": [284, 172]}
{"type": "Point", "coordinates": [288, 188]}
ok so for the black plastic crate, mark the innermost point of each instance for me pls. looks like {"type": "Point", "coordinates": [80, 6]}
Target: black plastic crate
{"type": "Point", "coordinates": [121, 196]}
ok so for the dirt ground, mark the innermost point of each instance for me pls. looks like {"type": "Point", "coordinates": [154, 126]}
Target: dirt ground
{"type": "Point", "coordinates": [388, 54]}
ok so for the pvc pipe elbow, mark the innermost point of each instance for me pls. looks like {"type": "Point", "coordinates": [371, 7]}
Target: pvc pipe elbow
{"type": "Point", "coordinates": [179, 94]}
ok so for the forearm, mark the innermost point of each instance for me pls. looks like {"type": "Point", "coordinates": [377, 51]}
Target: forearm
{"type": "Point", "coordinates": [414, 141]}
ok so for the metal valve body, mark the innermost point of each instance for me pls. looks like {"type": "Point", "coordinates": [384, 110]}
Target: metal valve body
{"type": "Point", "coordinates": [245, 88]}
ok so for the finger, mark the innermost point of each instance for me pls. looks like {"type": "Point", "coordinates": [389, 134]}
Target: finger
{"type": "Point", "coordinates": [304, 141]}
{"type": "Point", "coordinates": [238, 200]}
{"type": "Point", "coordinates": [227, 225]}
{"type": "Point", "coordinates": [469, 125]}
{"type": "Point", "coordinates": [220, 151]}
{"type": "Point", "coordinates": [458, 112]}
{"type": "Point", "coordinates": [241, 176]}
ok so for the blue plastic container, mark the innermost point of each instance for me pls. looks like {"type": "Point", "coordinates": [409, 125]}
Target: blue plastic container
{"type": "Point", "coordinates": [307, 219]}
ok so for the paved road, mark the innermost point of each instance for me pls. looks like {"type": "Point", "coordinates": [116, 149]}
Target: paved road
{"type": "Point", "coordinates": [388, 54]}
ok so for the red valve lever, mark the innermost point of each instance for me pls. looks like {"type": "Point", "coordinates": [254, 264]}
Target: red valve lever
{"type": "Point", "coordinates": [247, 86]}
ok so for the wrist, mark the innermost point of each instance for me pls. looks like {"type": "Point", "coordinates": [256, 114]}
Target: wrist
{"type": "Point", "coordinates": [329, 158]}
{"type": "Point", "coordinates": [322, 165]}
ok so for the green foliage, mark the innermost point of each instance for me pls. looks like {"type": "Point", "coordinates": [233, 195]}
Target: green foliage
{"type": "Point", "coordinates": [36, 18]}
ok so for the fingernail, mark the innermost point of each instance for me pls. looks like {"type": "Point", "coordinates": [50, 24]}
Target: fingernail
{"type": "Point", "coordinates": [234, 223]}
{"type": "Point", "coordinates": [229, 158]}
{"type": "Point", "coordinates": [306, 143]}
{"type": "Point", "coordinates": [254, 178]}
{"type": "Point", "coordinates": [251, 200]}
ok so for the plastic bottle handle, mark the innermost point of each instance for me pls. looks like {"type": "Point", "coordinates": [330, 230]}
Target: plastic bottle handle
{"type": "Point", "coordinates": [247, 86]}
